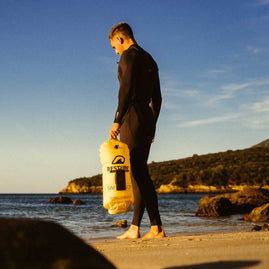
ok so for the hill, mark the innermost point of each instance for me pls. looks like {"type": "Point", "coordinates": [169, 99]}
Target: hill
{"type": "Point", "coordinates": [220, 171]}
{"type": "Point", "coordinates": [263, 144]}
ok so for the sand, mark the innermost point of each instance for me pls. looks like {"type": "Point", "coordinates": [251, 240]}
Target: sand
{"type": "Point", "coordinates": [240, 249]}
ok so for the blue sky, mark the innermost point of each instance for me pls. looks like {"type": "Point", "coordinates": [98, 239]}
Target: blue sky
{"type": "Point", "coordinates": [58, 82]}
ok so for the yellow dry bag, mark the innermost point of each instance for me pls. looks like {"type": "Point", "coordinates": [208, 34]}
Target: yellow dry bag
{"type": "Point", "coordinates": [117, 185]}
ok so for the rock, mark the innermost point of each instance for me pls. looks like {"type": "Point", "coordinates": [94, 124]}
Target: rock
{"type": "Point", "coordinates": [246, 200]}
{"type": "Point", "coordinates": [259, 214]}
{"type": "Point", "coordinates": [232, 203]}
{"type": "Point", "coordinates": [121, 224]}
{"type": "Point", "coordinates": [61, 200]}
{"type": "Point", "coordinates": [214, 206]}
{"type": "Point", "coordinates": [32, 243]}
{"type": "Point", "coordinates": [256, 228]}
{"type": "Point", "coordinates": [78, 202]}
{"type": "Point", "coordinates": [264, 227]}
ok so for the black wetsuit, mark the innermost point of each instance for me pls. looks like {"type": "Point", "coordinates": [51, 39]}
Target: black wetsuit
{"type": "Point", "coordinates": [139, 103]}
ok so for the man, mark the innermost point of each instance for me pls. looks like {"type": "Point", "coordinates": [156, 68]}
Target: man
{"type": "Point", "coordinates": [139, 103]}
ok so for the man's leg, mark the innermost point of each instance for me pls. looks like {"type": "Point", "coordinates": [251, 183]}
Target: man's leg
{"type": "Point", "coordinates": [139, 205]}
{"type": "Point", "coordinates": [144, 189]}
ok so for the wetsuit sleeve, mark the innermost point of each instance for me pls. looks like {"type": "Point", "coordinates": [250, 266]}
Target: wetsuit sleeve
{"type": "Point", "coordinates": [156, 99]}
{"type": "Point", "coordinates": [126, 74]}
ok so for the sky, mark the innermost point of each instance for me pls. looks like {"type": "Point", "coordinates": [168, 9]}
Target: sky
{"type": "Point", "coordinates": [59, 87]}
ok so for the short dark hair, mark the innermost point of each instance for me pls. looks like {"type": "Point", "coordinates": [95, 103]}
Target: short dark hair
{"type": "Point", "coordinates": [123, 28]}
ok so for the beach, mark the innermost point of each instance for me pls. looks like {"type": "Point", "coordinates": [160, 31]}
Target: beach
{"type": "Point", "coordinates": [229, 249]}
{"type": "Point", "coordinates": [192, 242]}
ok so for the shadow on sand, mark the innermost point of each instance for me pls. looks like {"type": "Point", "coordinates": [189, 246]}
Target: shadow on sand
{"type": "Point", "coordinates": [218, 265]}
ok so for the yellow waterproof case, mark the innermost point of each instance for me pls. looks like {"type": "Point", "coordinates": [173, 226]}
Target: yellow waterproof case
{"type": "Point", "coordinates": [116, 177]}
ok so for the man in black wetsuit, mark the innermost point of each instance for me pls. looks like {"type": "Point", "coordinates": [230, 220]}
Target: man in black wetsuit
{"type": "Point", "coordinates": [139, 103]}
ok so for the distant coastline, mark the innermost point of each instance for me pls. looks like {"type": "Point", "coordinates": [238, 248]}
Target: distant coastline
{"type": "Point", "coordinates": [163, 189]}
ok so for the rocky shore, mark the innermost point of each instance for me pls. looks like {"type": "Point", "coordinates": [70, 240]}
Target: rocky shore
{"type": "Point", "coordinates": [170, 188]}
{"type": "Point", "coordinates": [73, 188]}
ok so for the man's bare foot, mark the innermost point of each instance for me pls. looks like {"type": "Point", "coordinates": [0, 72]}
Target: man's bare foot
{"type": "Point", "coordinates": [131, 233]}
{"type": "Point", "coordinates": [155, 232]}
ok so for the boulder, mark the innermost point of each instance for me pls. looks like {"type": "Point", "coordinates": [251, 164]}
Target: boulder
{"type": "Point", "coordinates": [256, 228]}
{"type": "Point", "coordinates": [246, 200]}
{"type": "Point", "coordinates": [32, 243]}
{"type": "Point", "coordinates": [264, 227]}
{"type": "Point", "coordinates": [121, 224]}
{"type": "Point", "coordinates": [260, 213]}
{"type": "Point", "coordinates": [78, 202]}
{"type": "Point", "coordinates": [214, 206]}
{"type": "Point", "coordinates": [61, 200]}
{"type": "Point", "coordinates": [232, 203]}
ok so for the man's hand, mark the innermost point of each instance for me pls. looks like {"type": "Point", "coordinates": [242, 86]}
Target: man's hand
{"type": "Point", "coordinates": [114, 131]}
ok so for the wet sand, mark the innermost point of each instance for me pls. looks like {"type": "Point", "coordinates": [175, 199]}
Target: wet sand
{"type": "Point", "coordinates": [231, 250]}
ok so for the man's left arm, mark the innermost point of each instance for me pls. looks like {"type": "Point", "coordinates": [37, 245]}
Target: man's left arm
{"type": "Point", "coordinates": [156, 99]}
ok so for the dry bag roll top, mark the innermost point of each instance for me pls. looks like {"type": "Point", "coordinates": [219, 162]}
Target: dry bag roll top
{"type": "Point", "coordinates": [117, 185]}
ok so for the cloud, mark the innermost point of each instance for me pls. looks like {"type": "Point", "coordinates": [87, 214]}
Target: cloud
{"type": "Point", "coordinates": [172, 87]}
{"type": "Point", "coordinates": [259, 107]}
{"type": "Point", "coordinates": [254, 50]}
{"type": "Point", "coordinates": [263, 2]}
{"type": "Point", "coordinates": [247, 119]}
{"type": "Point", "coordinates": [229, 90]}
{"type": "Point", "coordinates": [176, 92]}
{"type": "Point", "coordinates": [258, 123]}
{"type": "Point", "coordinates": [233, 87]}
{"type": "Point", "coordinates": [209, 120]}
{"type": "Point", "coordinates": [173, 98]}
{"type": "Point", "coordinates": [169, 105]}
{"type": "Point", "coordinates": [249, 109]}
{"type": "Point", "coordinates": [254, 116]}
{"type": "Point", "coordinates": [217, 71]}
{"type": "Point", "coordinates": [111, 61]}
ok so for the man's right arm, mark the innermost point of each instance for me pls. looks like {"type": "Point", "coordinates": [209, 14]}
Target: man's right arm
{"type": "Point", "coordinates": [114, 131]}
{"type": "Point", "coordinates": [126, 73]}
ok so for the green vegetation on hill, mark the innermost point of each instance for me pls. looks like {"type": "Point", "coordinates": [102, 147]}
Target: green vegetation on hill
{"type": "Point", "coordinates": [88, 181]}
{"type": "Point", "coordinates": [248, 166]}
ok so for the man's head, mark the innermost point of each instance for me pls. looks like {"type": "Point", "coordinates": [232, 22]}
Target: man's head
{"type": "Point", "coordinates": [121, 37]}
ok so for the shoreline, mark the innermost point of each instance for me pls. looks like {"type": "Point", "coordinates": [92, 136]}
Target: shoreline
{"type": "Point", "coordinates": [72, 188]}
{"type": "Point", "coordinates": [169, 234]}
{"type": "Point", "coordinates": [222, 249]}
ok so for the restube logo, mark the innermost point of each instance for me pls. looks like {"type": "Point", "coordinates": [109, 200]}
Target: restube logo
{"type": "Point", "coordinates": [118, 160]}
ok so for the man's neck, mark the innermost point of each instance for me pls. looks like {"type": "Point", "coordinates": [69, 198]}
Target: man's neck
{"type": "Point", "coordinates": [128, 43]}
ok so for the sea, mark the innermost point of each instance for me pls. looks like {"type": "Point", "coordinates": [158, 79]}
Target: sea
{"type": "Point", "coordinates": [92, 222]}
